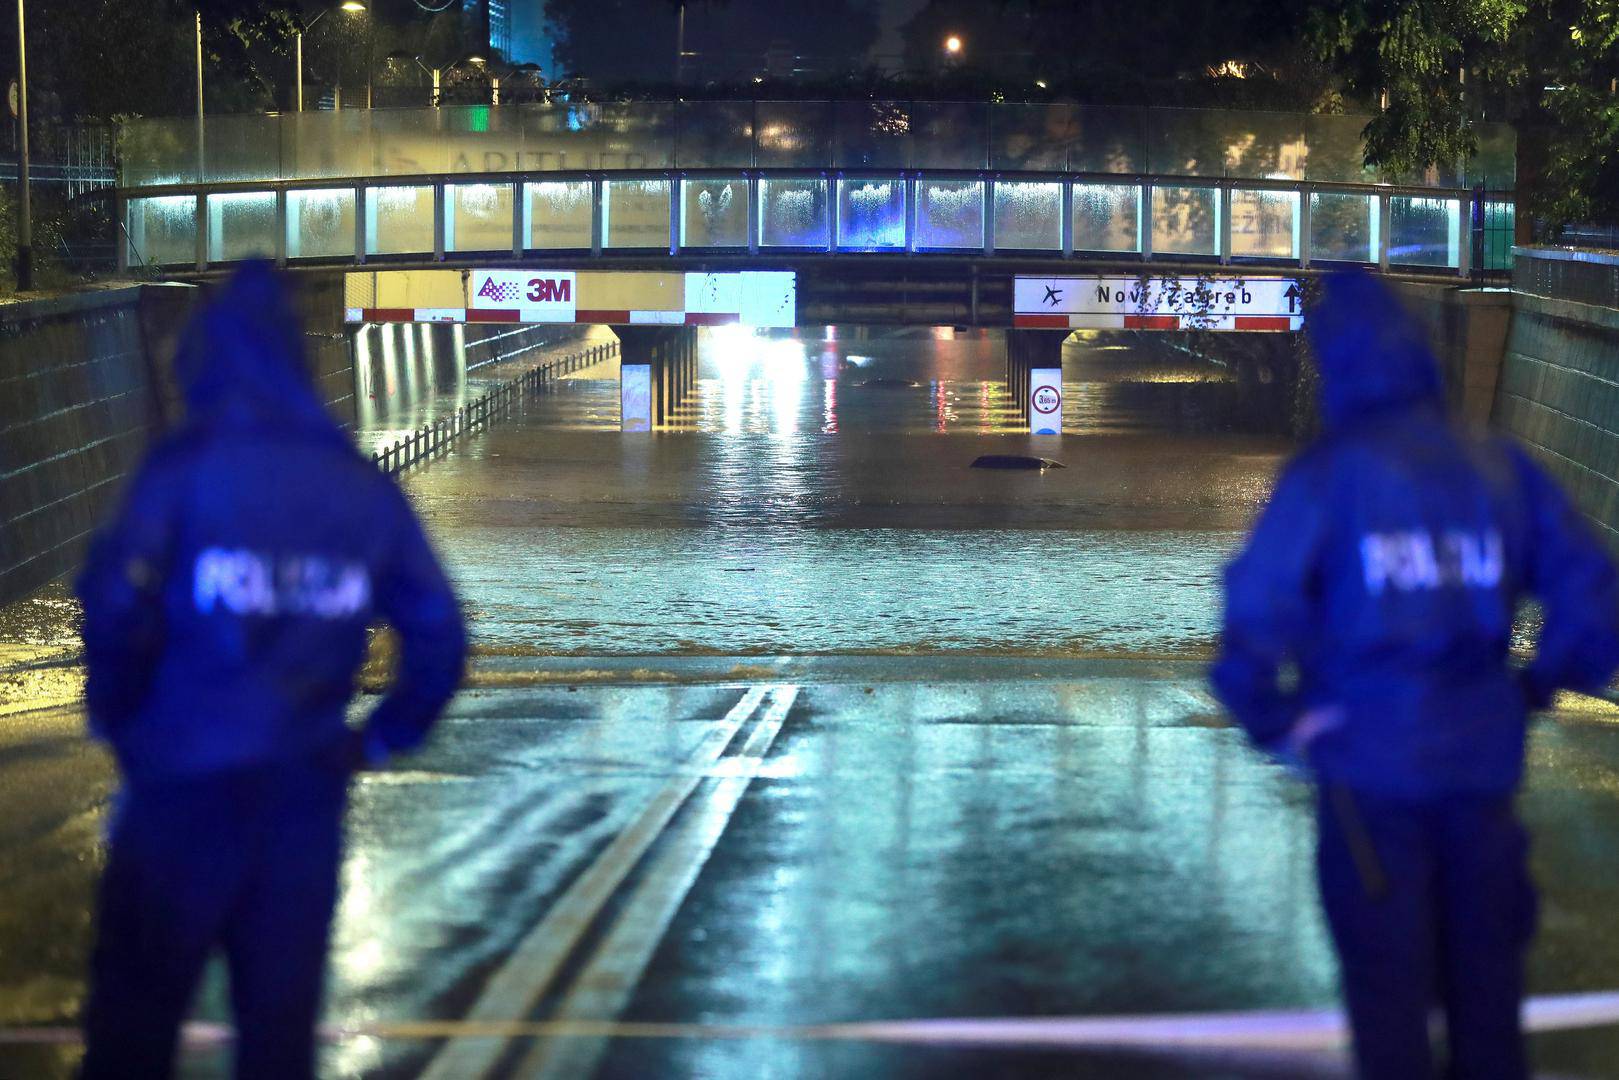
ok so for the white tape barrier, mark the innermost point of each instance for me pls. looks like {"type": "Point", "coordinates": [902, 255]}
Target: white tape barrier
{"type": "Point", "coordinates": [1275, 1030]}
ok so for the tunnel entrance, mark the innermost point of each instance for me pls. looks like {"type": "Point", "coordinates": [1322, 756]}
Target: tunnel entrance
{"type": "Point", "coordinates": [835, 379]}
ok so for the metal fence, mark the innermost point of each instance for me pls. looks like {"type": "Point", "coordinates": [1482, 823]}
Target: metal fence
{"type": "Point", "coordinates": [438, 438]}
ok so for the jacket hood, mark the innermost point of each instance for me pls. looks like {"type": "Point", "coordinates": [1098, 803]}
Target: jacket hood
{"type": "Point", "coordinates": [1373, 355]}
{"type": "Point", "coordinates": [241, 358]}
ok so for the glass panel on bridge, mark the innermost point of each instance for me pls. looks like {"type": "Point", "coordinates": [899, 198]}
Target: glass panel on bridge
{"type": "Point", "coordinates": [794, 134]}
{"type": "Point", "coordinates": [163, 230]}
{"type": "Point", "coordinates": [1033, 137]}
{"type": "Point", "coordinates": [793, 212]}
{"type": "Point", "coordinates": [872, 135]}
{"type": "Point", "coordinates": [1218, 142]}
{"type": "Point", "coordinates": [320, 224]}
{"type": "Point", "coordinates": [242, 147]}
{"type": "Point", "coordinates": [1265, 224]}
{"type": "Point", "coordinates": [478, 217]}
{"type": "Point", "coordinates": [1110, 140]}
{"type": "Point", "coordinates": [1343, 227]}
{"type": "Point", "coordinates": [871, 214]}
{"type": "Point", "coordinates": [714, 213]}
{"type": "Point", "coordinates": [1028, 215]}
{"type": "Point", "coordinates": [950, 135]}
{"type": "Point", "coordinates": [559, 214]}
{"type": "Point", "coordinates": [352, 142]}
{"type": "Point", "coordinates": [241, 225]}
{"type": "Point", "coordinates": [634, 135]}
{"type": "Point", "coordinates": [1424, 231]}
{"type": "Point", "coordinates": [399, 220]}
{"type": "Point", "coordinates": [1185, 220]}
{"type": "Point", "coordinates": [1107, 217]}
{"type": "Point", "coordinates": [950, 214]}
{"type": "Point", "coordinates": [635, 214]}
{"type": "Point", "coordinates": [714, 135]}
{"type": "Point", "coordinates": [157, 150]}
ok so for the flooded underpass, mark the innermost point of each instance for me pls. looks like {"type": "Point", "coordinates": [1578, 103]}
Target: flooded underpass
{"type": "Point", "coordinates": [787, 718]}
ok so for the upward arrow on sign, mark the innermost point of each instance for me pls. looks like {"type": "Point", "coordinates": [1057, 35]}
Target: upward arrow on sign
{"type": "Point", "coordinates": [1293, 297]}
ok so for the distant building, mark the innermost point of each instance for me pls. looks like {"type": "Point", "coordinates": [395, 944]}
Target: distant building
{"type": "Point", "coordinates": [533, 39]}
{"type": "Point", "coordinates": [488, 25]}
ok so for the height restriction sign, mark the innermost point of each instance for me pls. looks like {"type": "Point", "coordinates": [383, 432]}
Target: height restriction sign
{"type": "Point", "coordinates": [1148, 302]}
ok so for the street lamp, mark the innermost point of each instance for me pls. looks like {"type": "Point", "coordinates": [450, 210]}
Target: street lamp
{"type": "Point", "coordinates": [438, 72]}
{"type": "Point", "coordinates": [25, 224]}
{"type": "Point", "coordinates": [952, 45]}
{"type": "Point", "coordinates": [353, 7]}
{"type": "Point", "coordinates": [520, 70]}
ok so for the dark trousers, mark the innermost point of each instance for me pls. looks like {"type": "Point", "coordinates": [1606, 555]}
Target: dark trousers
{"type": "Point", "coordinates": [246, 862]}
{"type": "Point", "coordinates": [1448, 929]}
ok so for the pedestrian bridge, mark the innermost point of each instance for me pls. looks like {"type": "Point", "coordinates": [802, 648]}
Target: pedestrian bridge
{"type": "Point", "coordinates": [709, 184]}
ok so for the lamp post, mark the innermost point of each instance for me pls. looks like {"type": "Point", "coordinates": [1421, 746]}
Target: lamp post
{"type": "Point", "coordinates": [680, 43]}
{"type": "Point", "coordinates": [25, 224]}
{"type": "Point", "coordinates": [200, 132]}
{"type": "Point", "coordinates": [512, 73]}
{"type": "Point", "coordinates": [353, 7]}
{"type": "Point", "coordinates": [437, 73]}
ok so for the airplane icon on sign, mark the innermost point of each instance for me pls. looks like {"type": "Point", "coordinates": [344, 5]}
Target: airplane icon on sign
{"type": "Point", "coordinates": [1053, 295]}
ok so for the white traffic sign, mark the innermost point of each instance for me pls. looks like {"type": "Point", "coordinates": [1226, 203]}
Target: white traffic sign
{"type": "Point", "coordinates": [1152, 302]}
{"type": "Point", "coordinates": [538, 296]}
{"type": "Point", "coordinates": [1045, 401]}
{"type": "Point", "coordinates": [635, 397]}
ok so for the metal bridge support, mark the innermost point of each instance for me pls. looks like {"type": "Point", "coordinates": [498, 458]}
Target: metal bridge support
{"type": "Point", "coordinates": [1027, 350]}
{"type": "Point", "coordinates": [656, 368]}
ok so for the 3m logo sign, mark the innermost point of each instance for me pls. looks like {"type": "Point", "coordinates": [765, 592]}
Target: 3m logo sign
{"type": "Point", "coordinates": [524, 295]}
{"type": "Point", "coordinates": [550, 290]}
{"type": "Point", "coordinates": [498, 291]}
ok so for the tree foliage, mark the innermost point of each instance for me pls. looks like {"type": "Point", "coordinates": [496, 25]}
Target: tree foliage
{"type": "Point", "coordinates": [100, 59]}
{"type": "Point", "coordinates": [1544, 66]}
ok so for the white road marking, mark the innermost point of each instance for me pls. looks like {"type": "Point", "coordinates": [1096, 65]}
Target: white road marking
{"type": "Point", "coordinates": [529, 970]}
{"type": "Point", "coordinates": [603, 988]}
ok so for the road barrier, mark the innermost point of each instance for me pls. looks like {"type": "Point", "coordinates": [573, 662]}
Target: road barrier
{"type": "Point", "coordinates": [439, 437]}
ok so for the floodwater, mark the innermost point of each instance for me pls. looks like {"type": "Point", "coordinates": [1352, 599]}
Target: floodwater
{"type": "Point", "coordinates": [938, 739]}
{"type": "Point", "coordinates": [817, 498]}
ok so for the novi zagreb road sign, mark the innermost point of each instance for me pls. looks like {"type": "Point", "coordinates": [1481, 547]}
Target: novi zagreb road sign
{"type": "Point", "coordinates": [1150, 302]}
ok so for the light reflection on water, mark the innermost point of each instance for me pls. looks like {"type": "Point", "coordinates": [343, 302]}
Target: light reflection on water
{"type": "Point", "coordinates": [816, 497]}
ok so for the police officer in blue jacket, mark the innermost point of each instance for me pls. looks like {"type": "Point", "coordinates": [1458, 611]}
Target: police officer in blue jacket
{"type": "Point", "coordinates": [225, 616]}
{"type": "Point", "coordinates": [1366, 634]}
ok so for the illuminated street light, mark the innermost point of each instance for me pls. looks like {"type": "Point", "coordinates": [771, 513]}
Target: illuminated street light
{"type": "Point", "coordinates": [353, 7]}
{"type": "Point", "coordinates": [952, 45]}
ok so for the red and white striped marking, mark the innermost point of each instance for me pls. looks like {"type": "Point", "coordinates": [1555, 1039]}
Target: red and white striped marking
{"type": "Point", "coordinates": [1121, 321]}
{"type": "Point", "coordinates": [515, 315]}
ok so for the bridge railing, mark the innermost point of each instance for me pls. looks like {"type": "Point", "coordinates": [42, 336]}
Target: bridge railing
{"type": "Point", "coordinates": [687, 135]}
{"type": "Point", "coordinates": [463, 217]}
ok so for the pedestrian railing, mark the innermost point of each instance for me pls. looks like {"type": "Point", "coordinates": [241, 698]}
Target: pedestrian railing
{"type": "Point", "coordinates": [438, 438]}
{"type": "Point", "coordinates": [480, 219]}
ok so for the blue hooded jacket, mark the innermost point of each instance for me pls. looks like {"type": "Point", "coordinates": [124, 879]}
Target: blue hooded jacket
{"type": "Point", "coordinates": [1384, 576]}
{"type": "Point", "coordinates": [226, 607]}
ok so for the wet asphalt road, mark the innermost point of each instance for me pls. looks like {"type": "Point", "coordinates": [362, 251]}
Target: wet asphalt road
{"type": "Point", "coordinates": [773, 725]}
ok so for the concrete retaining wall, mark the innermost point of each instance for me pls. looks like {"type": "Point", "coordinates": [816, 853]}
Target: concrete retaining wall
{"type": "Point", "coordinates": [1559, 389]}
{"type": "Point", "coordinates": [1468, 330]}
{"type": "Point", "coordinates": [85, 381]}
{"type": "Point", "coordinates": [79, 395]}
